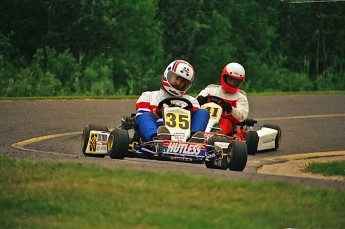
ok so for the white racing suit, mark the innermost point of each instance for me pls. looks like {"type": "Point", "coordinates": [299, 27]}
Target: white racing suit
{"type": "Point", "coordinates": [147, 122]}
{"type": "Point", "coordinates": [238, 101]}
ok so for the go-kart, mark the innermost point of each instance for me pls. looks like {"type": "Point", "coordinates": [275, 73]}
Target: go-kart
{"type": "Point", "coordinates": [268, 137]}
{"type": "Point", "coordinates": [215, 151]}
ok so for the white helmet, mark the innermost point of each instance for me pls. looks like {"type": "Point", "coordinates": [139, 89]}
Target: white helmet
{"type": "Point", "coordinates": [232, 77]}
{"type": "Point", "coordinates": [178, 77]}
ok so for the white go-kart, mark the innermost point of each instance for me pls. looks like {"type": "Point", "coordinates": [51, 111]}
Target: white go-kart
{"type": "Point", "coordinates": [268, 137]}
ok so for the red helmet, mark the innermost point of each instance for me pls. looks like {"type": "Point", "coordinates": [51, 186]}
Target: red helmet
{"type": "Point", "coordinates": [232, 77]}
{"type": "Point", "coordinates": [178, 77]}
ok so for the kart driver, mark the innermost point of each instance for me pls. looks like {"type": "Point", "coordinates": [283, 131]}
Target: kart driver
{"type": "Point", "coordinates": [236, 107]}
{"type": "Point", "coordinates": [176, 80]}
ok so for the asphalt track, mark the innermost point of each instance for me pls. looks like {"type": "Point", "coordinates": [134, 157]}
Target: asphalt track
{"type": "Point", "coordinates": [50, 130]}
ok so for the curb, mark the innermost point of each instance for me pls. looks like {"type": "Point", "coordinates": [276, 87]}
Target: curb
{"type": "Point", "coordinates": [281, 159]}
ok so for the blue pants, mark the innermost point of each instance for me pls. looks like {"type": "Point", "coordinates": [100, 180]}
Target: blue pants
{"type": "Point", "coordinates": [148, 124]}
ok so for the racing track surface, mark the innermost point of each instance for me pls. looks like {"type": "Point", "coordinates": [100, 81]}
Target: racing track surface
{"type": "Point", "coordinates": [310, 123]}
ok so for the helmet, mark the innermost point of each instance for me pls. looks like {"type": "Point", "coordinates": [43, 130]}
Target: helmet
{"type": "Point", "coordinates": [232, 77]}
{"type": "Point", "coordinates": [178, 77]}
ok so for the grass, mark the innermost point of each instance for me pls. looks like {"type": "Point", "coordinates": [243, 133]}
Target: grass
{"type": "Point", "coordinates": [335, 168]}
{"type": "Point", "coordinates": [55, 195]}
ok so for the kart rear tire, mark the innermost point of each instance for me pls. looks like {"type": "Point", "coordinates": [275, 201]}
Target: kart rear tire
{"type": "Point", "coordinates": [252, 141]}
{"type": "Point", "coordinates": [279, 135]}
{"type": "Point", "coordinates": [238, 155]}
{"type": "Point", "coordinates": [86, 136]}
{"type": "Point", "coordinates": [118, 143]}
{"type": "Point", "coordinates": [224, 163]}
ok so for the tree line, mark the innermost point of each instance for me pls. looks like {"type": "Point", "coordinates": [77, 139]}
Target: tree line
{"type": "Point", "coordinates": [116, 47]}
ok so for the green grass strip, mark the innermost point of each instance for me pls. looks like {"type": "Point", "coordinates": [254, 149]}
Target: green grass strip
{"type": "Point", "coordinates": [58, 195]}
{"type": "Point", "coordinates": [334, 168]}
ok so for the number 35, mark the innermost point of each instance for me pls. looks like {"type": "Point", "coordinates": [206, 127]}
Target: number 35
{"type": "Point", "coordinates": [180, 121]}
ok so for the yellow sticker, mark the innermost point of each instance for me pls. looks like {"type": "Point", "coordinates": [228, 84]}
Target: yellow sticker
{"type": "Point", "coordinates": [93, 139]}
{"type": "Point", "coordinates": [177, 121]}
{"type": "Point", "coordinates": [214, 111]}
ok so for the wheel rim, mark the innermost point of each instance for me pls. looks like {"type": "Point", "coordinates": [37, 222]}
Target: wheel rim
{"type": "Point", "coordinates": [229, 158]}
{"type": "Point", "coordinates": [110, 142]}
{"type": "Point", "coordinates": [83, 140]}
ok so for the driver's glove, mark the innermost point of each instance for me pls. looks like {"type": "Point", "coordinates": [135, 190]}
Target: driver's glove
{"type": "Point", "coordinates": [157, 113]}
{"type": "Point", "coordinates": [201, 99]}
{"type": "Point", "coordinates": [226, 107]}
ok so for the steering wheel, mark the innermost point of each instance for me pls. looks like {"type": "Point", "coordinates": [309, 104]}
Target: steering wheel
{"type": "Point", "coordinates": [219, 101]}
{"type": "Point", "coordinates": [168, 102]}
{"type": "Point", "coordinates": [215, 99]}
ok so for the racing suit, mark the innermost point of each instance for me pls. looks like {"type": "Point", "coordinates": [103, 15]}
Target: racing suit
{"type": "Point", "coordinates": [147, 122]}
{"type": "Point", "coordinates": [238, 101]}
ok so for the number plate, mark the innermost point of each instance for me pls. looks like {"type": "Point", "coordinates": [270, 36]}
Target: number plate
{"type": "Point", "coordinates": [215, 114]}
{"type": "Point", "coordinates": [97, 142]}
{"type": "Point", "coordinates": [178, 121]}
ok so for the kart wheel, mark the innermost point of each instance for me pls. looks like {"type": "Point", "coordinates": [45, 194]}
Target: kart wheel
{"type": "Point", "coordinates": [238, 155]}
{"type": "Point", "coordinates": [85, 139]}
{"type": "Point", "coordinates": [252, 141]}
{"type": "Point", "coordinates": [86, 136]}
{"type": "Point", "coordinates": [118, 144]}
{"type": "Point", "coordinates": [223, 163]}
{"type": "Point", "coordinates": [279, 135]}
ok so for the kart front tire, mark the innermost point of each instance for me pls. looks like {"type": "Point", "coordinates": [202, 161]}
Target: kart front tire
{"type": "Point", "coordinates": [86, 136]}
{"type": "Point", "coordinates": [118, 143]}
{"type": "Point", "coordinates": [252, 141]}
{"type": "Point", "coordinates": [279, 135]}
{"type": "Point", "coordinates": [85, 139]}
{"type": "Point", "coordinates": [238, 155]}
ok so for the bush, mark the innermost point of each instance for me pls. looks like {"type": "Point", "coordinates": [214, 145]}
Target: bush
{"type": "Point", "coordinates": [270, 79]}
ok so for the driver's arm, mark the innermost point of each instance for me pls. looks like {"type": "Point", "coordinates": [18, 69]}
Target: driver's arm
{"type": "Point", "coordinates": [195, 104]}
{"type": "Point", "coordinates": [239, 112]}
{"type": "Point", "coordinates": [201, 97]}
{"type": "Point", "coordinates": [157, 113]}
{"type": "Point", "coordinates": [143, 103]}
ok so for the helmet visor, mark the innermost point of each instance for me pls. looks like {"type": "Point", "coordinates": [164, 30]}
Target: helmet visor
{"type": "Point", "coordinates": [232, 82]}
{"type": "Point", "coordinates": [178, 82]}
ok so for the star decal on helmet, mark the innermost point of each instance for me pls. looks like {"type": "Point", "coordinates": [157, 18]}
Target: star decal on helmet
{"type": "Point", "coordinates": [185, 70]}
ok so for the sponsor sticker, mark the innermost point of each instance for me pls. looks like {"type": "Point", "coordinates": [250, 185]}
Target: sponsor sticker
{"type": "Point", "coordinates": [98, 142]}
{"type": "Point", "coordinates": [183, 148]}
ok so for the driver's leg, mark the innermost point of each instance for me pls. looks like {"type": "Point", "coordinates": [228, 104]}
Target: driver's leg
{"type": "Point", "coordinates": [147, 126]}
{"type": "Point", "coordinates": [226, 126]}
{"type": "Point", "coordinates": [199, 121]}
